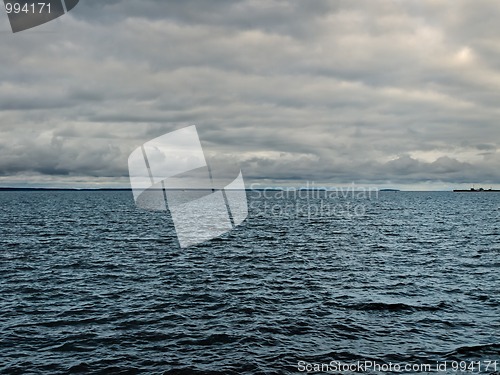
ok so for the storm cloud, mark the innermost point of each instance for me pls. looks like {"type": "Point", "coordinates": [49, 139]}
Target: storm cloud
{"type": "Point", "coordinates": [382, 93]}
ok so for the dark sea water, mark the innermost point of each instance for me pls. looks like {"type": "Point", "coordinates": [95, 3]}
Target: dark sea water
{"type": "Point", "coordinates": [91, 284]}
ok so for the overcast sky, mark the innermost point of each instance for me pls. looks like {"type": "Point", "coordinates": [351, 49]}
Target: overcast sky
{"type": "Point", "coordinates": [379, 93]}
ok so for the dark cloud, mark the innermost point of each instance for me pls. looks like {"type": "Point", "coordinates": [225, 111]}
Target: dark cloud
{"type": "Point", "coordinates": [373, 92]}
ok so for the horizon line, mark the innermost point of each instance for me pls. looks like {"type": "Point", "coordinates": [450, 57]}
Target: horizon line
{"type": "Point", "coordinates": [383, 190]}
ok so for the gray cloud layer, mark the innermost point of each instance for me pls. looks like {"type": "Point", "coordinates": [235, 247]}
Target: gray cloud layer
{"type": "Point", "coordinates": [385, 92]}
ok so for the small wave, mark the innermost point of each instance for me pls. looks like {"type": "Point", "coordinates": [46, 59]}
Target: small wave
{"type": "Point", "coordinates": [214, 339]}
{"type": "Point", "coordinates": [382, 306]}
{"type": "Point", "coordinates": [492, 350]}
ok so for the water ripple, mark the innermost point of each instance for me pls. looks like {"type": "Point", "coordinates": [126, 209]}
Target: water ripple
{"type": "Point", "coordinates": [90, 284]}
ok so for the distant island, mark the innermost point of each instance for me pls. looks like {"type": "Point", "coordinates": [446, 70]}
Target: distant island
{"type": "Point", "coordinates": [394, 190]}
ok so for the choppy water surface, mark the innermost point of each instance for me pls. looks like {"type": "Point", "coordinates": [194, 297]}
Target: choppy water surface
{"type": "Point", "coordinates": [91, 284]}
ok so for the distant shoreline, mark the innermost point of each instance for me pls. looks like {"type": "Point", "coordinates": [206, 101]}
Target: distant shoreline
{"type": "Point", "coordinates": [61, 189]}
{"type": "Point", "coordinates": [44, 189]}
{"type": "Point", "coordinates": [476, 191]}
